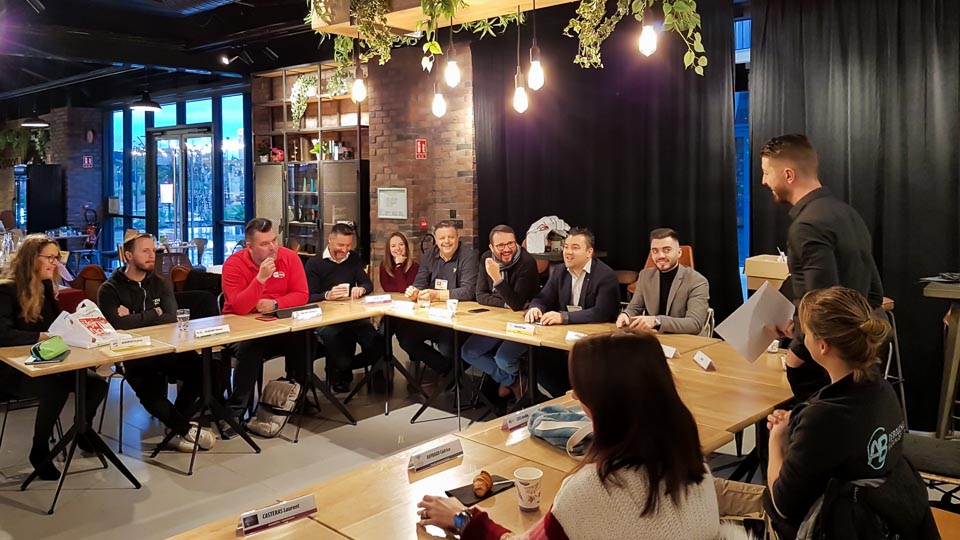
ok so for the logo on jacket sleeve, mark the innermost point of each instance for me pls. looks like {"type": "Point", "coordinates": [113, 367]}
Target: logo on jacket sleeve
{"type": "Point", "coordinates": [877, 449]}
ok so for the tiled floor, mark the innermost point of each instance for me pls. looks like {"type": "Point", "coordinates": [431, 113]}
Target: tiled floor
{"type": "Point", "coordinates": [101, 504]}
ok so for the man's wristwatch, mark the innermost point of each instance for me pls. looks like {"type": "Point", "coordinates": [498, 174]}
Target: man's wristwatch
{"type": "Point", "coordinates": [276, 306]}
{"type": "Point", "coordinates": [461, 520]}
{"type": "Point", "coordinates": [657, 320]}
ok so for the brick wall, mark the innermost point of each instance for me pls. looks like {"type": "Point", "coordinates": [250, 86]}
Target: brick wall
{"type": "Point", "coordinates": [400, 97]}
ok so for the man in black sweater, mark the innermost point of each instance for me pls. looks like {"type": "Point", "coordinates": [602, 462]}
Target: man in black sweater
{"type": "Point", "coordinates": [134, 297]}
{"type": "Point", "coordinates": [828, 244]}
{"type": "Point", "coordinates": [511, 281]}
{"type": "Point", "coordinates": [586, 291]}
{"type": "Point", "coordinates": [339, 275]}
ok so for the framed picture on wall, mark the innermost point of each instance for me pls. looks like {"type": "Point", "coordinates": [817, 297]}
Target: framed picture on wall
{"type": "Point", "coordinates": [392, 203]}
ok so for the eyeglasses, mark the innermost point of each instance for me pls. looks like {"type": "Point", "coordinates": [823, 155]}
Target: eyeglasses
{"type": "Point", "coordinates": [52, 259]}
{"type": "Point", "coordinates": [505, 245]}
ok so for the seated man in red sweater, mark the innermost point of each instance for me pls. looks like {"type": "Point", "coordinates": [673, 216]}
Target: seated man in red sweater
{"type": "Point", "coordinates": [262, 278]}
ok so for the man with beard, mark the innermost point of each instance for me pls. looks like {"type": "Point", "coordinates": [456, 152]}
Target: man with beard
{"type": "Point", "coordinates": [511, 281]}
{"type": "Point", "coordinates": [828, 244]}
{"type": "Point", "coordinates": [134, 297]}
{"type": "Point", "coordinates": [671, 298]}
{"type": "Point", "coordinates": [339, 275]}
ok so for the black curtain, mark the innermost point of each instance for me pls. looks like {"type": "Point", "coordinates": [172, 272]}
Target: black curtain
{"type": "Point", "coordinates": [639, 144]}
{"type": "Point", "coordinates": [874, 84]}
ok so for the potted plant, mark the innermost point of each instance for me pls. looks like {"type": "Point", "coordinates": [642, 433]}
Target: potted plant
{"type": "Point", "coordinates": [263, 150]}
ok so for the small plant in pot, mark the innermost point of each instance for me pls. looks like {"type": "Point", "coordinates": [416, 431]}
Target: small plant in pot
{"type": "Point", "coordinates": [263, 150]}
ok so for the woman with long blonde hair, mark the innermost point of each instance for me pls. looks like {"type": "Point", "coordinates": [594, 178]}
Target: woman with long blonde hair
{"type": "Point", "coordinates": [28, 306]}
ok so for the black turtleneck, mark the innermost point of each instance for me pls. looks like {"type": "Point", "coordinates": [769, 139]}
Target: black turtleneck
{"type": "Point", "coordinates": [666, 280]}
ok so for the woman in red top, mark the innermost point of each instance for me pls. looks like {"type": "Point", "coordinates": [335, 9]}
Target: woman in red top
{"type": "Point", "coordinates": [397, 270]}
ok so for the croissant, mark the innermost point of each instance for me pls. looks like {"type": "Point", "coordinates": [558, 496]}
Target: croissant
{"type": "Point", "coordinates": [482, 484]}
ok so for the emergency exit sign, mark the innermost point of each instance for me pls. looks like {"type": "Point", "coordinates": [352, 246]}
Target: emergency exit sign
{"type": "Point", "coordinates": [421, 149]}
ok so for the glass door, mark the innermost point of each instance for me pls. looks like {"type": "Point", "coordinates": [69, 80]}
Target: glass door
{"type": "Point", "coordinates": [184, 176]}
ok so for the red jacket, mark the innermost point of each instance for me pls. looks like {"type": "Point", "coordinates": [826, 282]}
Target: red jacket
{"type": "Point", "coordinates": [241, 290]}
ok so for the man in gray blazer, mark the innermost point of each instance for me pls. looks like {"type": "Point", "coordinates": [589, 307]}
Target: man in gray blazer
{"type": "Point", "coordinates": [671, 298]}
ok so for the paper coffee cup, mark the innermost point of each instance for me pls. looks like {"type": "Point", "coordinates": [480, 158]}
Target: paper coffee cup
{"type": "Point", "coordinates": [452, 305]}
{"type": "Point", "coordinates": [528, 487]}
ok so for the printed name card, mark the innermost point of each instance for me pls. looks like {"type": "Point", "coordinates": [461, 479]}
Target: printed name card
{"type": "Point", "coordinates": [517, 419]}
{"type": "Point", "coordinates": [378, 299]}
{"type": "Point", "coordinates": [440, 313]}
{"type": "Point", "coordinates": [130, 343]}
{"type": "Point", "coordinates": [212, 331]}
{"type": "Point", "coordinates": [282, 512]}
{"type": "Point", "coordinates": [403, 306]}
{"type": "Point", "coordinates": [436, 456]}
{"type": "Point", "coordinates": [305, 314]}
{"type": "Point", "coordinates": [669, 351]}
{"type": "Point", "coordinates": [574, 336]}
{"type": "Point", "coordinates": [704, 361]}
{"type": "Point", "coordinates": [520, 328]}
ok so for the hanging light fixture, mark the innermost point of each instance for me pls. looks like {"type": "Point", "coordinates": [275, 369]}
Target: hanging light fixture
{"type": "Point", "coordinates": [439, 106]}
{"type": "Point", "coordinates": [34, 121]}
{"type": "Point", "coordinates": [535, 75]}
{"type": "Point", "coordinates": [452, 72]}
{"type": "Point", "coordinates": [648, 40]}
{"type": "Point", "coordinates": [520, 102]}
{"type": "Point", "coordinates": [145, 103]}
{"type": "Point", "coordinates": [359, 92]}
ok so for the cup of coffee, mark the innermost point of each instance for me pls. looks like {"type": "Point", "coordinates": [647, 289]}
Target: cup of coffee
{"type": "Point", "coordinates": [528, 487]}
{"type": "Point", "coordinates": [183, 320]}
{"type": "Point", "coordinates": [452, 305]}
{"type": "Point", "coordinates": [423, 300]}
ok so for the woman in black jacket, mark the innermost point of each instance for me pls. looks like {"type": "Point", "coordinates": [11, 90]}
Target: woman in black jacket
{"type": "Point", "coordinates": [28, 306]}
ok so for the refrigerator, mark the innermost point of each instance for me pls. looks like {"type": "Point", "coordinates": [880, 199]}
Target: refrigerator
{"type": "Point", "coordinates": [45, 207]}
{"type": "Point", "coordinates": [20, 196]}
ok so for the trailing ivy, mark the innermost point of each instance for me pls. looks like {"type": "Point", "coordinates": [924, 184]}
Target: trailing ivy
{"type": "Point", "coordinates": [492, 26]}
{"type": "Point", "coordinates": [299, 94]}
{"type": "Point", "coordinates": [435, 11]}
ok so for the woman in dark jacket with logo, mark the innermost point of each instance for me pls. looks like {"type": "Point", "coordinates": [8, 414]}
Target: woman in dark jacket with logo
{"type": "Point", "coordinates": [28, 306]}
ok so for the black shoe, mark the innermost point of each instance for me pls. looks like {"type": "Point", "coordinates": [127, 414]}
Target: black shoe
{"type": "Point", "coordinates": [46, 470]}
{"type": "Point", "coordinates": [84, 445]}
{"type": "Point", "coordinates": [341, 386]}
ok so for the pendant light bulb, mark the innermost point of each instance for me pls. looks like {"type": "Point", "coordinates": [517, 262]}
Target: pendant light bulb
{"type": "Point", "coordinates": [648, 40]}
{"type": "Point", "coordinates": [359, 92]}
{"type": "Point", "coordinates": [452, 74]}
{"type": "Point", "coordinates": [535, 75]}
{"type": "Point", "coordinates": [520, 102]}
{"type": "Point", "coordinates": [439, 104]}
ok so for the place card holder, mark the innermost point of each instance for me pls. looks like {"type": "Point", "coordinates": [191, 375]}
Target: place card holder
{"type": "Point", "coordinates": [378, 299]}
{"type": "Point", "coordinates": [276, 514]}
{"type": "Point", "coordinates": [403, 306]}
{"type": "Point", "coordinates": [669, 352]}
{"type": "Point", "coordinates": [518, 419]}
{"type": "Point", "coordinates": [440, 313]}
{"type": "Point", "coordinates": [305, 314]}
{"type": "Point", "coordinates": [704, 361]}
{"type": "Point", "coordinates": [211, 331]}
{"type": "Point", "coordinates": [574, 336]}
{"type": "Point", "coordinates": [435, 456]}
{"type": "Point", "coordinates": [521, 328]}
{"type": "Point", "coordinates": [130, 343]}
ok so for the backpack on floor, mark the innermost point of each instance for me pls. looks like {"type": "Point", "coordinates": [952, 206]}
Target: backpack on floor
{"type": "Point", "coordinates": [277, 402]}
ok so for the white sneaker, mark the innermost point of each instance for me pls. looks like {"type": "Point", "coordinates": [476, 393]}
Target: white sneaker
{"type": "Point", "coordinates": [181, 444]}
{"type": "Point", "coordinates": [206, 436]}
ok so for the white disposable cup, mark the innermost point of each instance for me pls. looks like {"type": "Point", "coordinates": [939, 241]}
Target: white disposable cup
{"type": "Point", "coordinates": [452, 305]}
{"type": "Point", "coordinates": [528, 487]}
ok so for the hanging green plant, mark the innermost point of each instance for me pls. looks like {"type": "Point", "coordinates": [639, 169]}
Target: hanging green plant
{"type": "Point", "coordinates": [492, 26]}
{"type": "Point", "coordinates": [304, 87]}
{"type": "Point", "coordinates": [435, 11]}
{"type": "Point", "coordinates": [343, 57]}
{"type": "Point", "coordinates": [320, 10]}
{"type": "Point", "coordinates": [592, 26]}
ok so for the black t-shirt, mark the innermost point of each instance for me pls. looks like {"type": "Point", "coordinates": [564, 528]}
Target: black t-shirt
{"type": "Point", "coordinates": [848, 430]}
{"type": "Point", "coordinates": [666, 281]}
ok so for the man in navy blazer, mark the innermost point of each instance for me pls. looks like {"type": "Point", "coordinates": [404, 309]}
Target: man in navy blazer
{"type": "Point", "coordinates": [586, 291]}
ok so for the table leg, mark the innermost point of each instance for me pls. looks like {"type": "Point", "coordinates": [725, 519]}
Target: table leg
{"type": "Point", "coordinates": [314, 383]}
{"type": "Point", "coordinates": [386, 363]}
{"type": "Point", "coordinates": [951, 365]}
{"type": "Point", "coordinates": [453, 376]}
{"type": "Point", "coordinates": [81, 428]}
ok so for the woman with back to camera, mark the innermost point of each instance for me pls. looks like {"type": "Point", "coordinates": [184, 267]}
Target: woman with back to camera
{"type": "Point", "coordinates": [398, 270]}
{"type": "Point", "coordinates": [28, 306]}
{"type": "Point", "coordinates": [643, 476]}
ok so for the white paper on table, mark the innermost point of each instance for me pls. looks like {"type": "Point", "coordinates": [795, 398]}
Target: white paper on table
{"type": "Point", "coordinates": [744, 329]}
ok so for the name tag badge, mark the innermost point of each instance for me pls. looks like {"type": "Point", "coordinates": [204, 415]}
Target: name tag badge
{"type": "Point", "coordinates": [572, 309]}
{"type": "Point", "coordinates": [279, 275]}
{"type": "Point", "coordinates": [440, 284]}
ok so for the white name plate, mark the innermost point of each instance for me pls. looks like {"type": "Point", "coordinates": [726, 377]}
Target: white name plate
{"type": "Point", "coordinates": [435, 456]}
{"type": "Point", "coordinates": [704, 361]}
{"type": "Point", "coordinates": [403, 306]}
{"type": "Point", "coordinates": [669, 351]}
{"type": "Point", "coordinates": [305, 314]}
{"type": "Point", "coordinates": [130, 343]}
{"type": "Point", "coordinates": [378, 299]}
{"type": "Point", "coordinates": [517, 419]}
{"type": "Point", "coordinates": [574, 336]}
{"type": "Point", "coordinates": [282, 512]}
{"type": "Point", "coordinates": [520, 328]}
{"type": "Point", "coordinates": [212, 331]}
{"type": "Point", "coordinates": [440, 313]}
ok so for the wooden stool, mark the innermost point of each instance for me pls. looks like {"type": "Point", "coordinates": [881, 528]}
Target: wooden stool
{"type": "Point", "coordinates": [893, 358]}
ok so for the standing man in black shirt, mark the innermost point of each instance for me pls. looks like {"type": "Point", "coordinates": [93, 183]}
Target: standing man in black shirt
{"type": "Point", "coordinates": [828, 244]}
{"type": "Point", "coordinates": [338, 275]}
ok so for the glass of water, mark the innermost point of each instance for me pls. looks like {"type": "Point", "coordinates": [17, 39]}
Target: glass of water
{"type": "Point", "coordinates": [183, 320]}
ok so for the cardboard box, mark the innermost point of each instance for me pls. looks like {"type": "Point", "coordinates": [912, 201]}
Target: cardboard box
{"type": "Point", "coordinates": [761, 268]}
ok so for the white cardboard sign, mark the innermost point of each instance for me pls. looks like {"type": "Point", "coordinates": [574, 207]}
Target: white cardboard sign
{"type": "Point", "coordinates": [704, 361]}
{"type": "Point", "coordinates": [436, 455]}
{"type": "Point", "coordinates": [282, 512]}
{"type": "Point", "coordinates": [211, 331]}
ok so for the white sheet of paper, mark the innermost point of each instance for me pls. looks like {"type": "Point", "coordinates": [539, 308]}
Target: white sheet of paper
{"type": "Point", "coordinates": [743, 330]}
